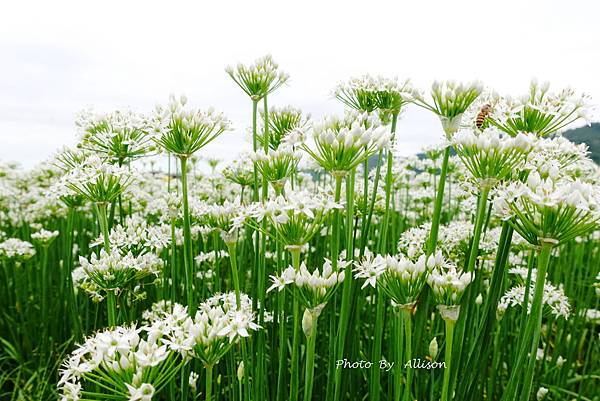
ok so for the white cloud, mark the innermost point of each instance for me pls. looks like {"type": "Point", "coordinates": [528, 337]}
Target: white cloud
{"type": "Point", "coordinates": [61, 56]}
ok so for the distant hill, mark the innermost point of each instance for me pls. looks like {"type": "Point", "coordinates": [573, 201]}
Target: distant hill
{"type": "Point", "coordinates": [590, 135]}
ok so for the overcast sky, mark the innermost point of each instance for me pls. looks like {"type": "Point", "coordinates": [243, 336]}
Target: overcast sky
{"type": "Point", "coordinates": [58, 57]}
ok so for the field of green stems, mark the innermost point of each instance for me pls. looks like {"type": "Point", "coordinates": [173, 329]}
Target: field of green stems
{"type": "Point", "coordinates": [322, 265]}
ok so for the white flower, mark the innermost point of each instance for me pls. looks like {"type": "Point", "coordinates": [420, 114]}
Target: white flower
{"type": "Point", "coordinates": [44, 237]}
{"type": "Point", "coordinates": [342, 144]}
{"type": "Point", "coordinates": [16, 248]}
{"type": "Point", "coordinates": [192, 380]}
{"type": "Point", "coordinates": [314, 288]}
{"type": "Point", "coordinates": [553, 298]}
{"type": "Point", "coordinates": [142, 393]}
{"type": "Point", "coordinates": [449, 284]}
{"type": "Point", "coordinates": [370, 269]}
{"type": "Point", "coordinates": [541, 393]}
{"type": "Point", "coordinates": [111, 271]}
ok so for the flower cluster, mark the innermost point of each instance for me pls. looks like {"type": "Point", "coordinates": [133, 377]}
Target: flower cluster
{"type": "Point", "coordinates": [295, 218]}
{"type": "Point", "coordinates": [448, 284]}
{"type": "Point", "coordinates": [555, 210]}
{"type": "Point", "coordinates": [14, 248]}
{"type": "Point", "coordinates": [553, 298]}
{"type": "Point", "coordinates": [540, 112]}
{"type": "Point", "coordinates": [218, 324]}
{"type": "Point", "coordinates": [556, 156]}
{"type": "Point", "coordinates": [183, 131]}
{"type": "Point", "coordinates": [453, 240]}
{"type": "Point", "coordinates": [258, 79]}
{"type": "Point", "coordinates": [113, 271]}
{"type": "Point", "coordinates": [491, 156]}
{"type": "Point", "coordinates": [286, 127]}
{"type": "Point", "coordinates": [367, 94]}
{"type": "Point", "coordinates": [119, 136]}
{"type": "Point", "coordinates": [218, 217]}
{"type": "Point", "coordinates": [450, 101]}
{"type": "Point", "coordinates": [240, 171]}
{"type": "Point", "coordinates": [276, 166]}
{"type": "Point", "coordinates": [136, 236]}
{"type": "Point", "coordinates": [44, 237]}
{"type": "Point", "coordinates": [313, 289]}
{"type": "Point", "coordinates": [401, 278]}
{"type": "Point", "coordinates": [98, 181]}
{"type": "Point", "coordinates": [342, 144]}
{"type": "Point", "coordinates": [126, 364]}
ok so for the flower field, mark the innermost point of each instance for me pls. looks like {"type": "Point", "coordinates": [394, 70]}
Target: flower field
{"type": "Point", "coordinates": [321, 265]}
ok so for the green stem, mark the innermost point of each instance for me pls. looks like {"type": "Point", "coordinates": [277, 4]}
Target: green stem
{"type": "Point", "coordinates": [439, 200]}
{"type": "Point", "coordinates": [187, 239]}
{"type": "Point", "coordinates": [295, 374]}
{"type": "Point", "coordinates": [209, 370]}
{"type": "Point", "coordinates": [232, 247]}
{"type": "Point", "coordinates": [310, 361]}
{"type": "Point", "coordinates": [111, 303]}
{"type": "Point", "coordinates": [45, 300]}
{"type": "Point", "coordinates": [347, 285]}
{"type": "Point", "coordinates": [406, 314]}
{"type": "Point", "coordinates": [448, 358]}
{"type": "Point", "coordinates": [103, 222]}
{"type": "Point", "coordinates": [481, 347]}
{"type": "Point", "coordinates": [467, 318]}
{"type": "Point", "coordinates": [282, 346]}
{"type": "Point", "coordinates": [374, 385]}
{"type": "Point", "coordinates": [478, 228]}
{"type": "Point", "coordinates": [388, 189]}
{"type": "Point", "coordinates": [334, 255]}
{"type": "Point", "coordinates": [535, 318]}
{"type": "Point", "coordinates": [399, 348]}
{"type": "Point", "coordinates": [67, 265]}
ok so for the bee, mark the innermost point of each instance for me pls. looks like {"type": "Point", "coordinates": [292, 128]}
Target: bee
{"type": "Point", "coordinates": [485, 111]}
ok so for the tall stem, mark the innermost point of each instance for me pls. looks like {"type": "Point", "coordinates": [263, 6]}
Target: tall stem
{"type": "Point", "coordinates": [478, 228]}
{"type": "Point", "coordinates": [439, 200]}
{"type": "Point", "coordinates": [45, 300]}
{"type": "Point", "coordinates": [388, 189]}
{"type": "Point", "coordinates": [232, 247]}
{"type": "Point", "coordinates": [111, 303]}
{"type": "Point", "coordinates": [282, 360]}
{"type": "Point", "coordinates": [406, 314]}
{"type": "Point", "coordinates": [103, 222]}
{"type": "Point", "coordinates": [259, 388]}
{"type": "Point", "coordinates": [467, 317]}
{"type": "Point", "coordinates": [334, 255]}
{"type": "Point", "coordinates": [374, 387]}
{"type": "Point", "coordinates": [67, 265]}
{"type": "Point", "coordinates": [310, 361]}
{"type": "Point", "coordinates": [481, 347]}
{"type": "Point", "coordinates": [295, 375]}
{"type": "Point", "coordinates": [187, 239]}
{"type": "Point", "coordinates": [448, 358]}
{"type": "Point", "coordinates": [399, 348]}
{"type": "Point", "coordinates": [535, 318]}
{"type": "Point", "coordinates": [347, 286]}
{"type": "Point", "coordinates": [208, 370]}
{"type": "Point", "coordinates": [255, 148]}
{"type": "Point", "coordinates": [111, 298]}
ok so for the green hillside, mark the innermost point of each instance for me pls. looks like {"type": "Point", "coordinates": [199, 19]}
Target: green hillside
{"type": "Point", "coordinates": [589, 135]}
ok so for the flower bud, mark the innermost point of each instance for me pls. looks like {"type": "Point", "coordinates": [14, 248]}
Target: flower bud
{"type": "Point", "coordinates": [307, 322]}
{"type": "Point", "coordinates": [433, 348]}
{"type": "Point", "coordinates": [240, 371]}
{"type": "Point", "coordinates": [192, 380]}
